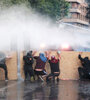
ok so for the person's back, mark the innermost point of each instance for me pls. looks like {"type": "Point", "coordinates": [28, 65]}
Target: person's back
{"type": "Point", "coordinates": [28, 60]}
{"type": "Point", "coordinates": [87, 65]}
{"type": "Point", "coordinates": [39, 63]}
{"type": "Point", "coordinates": [54, 66]}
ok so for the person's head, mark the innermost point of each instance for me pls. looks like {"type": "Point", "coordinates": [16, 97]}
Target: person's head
{"type": "Point", "coordinates": [86, 58]}
{"type": "Point", "coordinates": [52, 57]}
{"type": "Point", "coordinates": [41, 54]}
{"type": "Point", "coordinates": [42, 57]}
{"type": "Point", "coordinates": [29, 53]}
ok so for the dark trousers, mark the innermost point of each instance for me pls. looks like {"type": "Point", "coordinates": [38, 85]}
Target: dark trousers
{"type": "Point", "coordinates": [83, 73]}
{"type": "Point", "coordinates": [40, 73]}
{"type": "Point", "coordinates": [28, 70]}
{"type": "Point", "coordinates": [5, 69]}
{"type": "Point", "coordinates": [52, 75]}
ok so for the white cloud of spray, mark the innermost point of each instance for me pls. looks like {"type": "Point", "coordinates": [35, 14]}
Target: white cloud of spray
{"type": "Point", "coordinates": [21, 27]}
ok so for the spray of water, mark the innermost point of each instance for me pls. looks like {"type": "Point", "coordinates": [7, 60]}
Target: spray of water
{"type": "Point", "coordinates": [23, 29]}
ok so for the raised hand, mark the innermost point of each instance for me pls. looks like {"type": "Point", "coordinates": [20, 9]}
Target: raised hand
{"type": "Point", "coordinates": [34, 52]}
{"type": "Point", "coordinates": [58, 52]}
{"type": "Point", "coordinates": [79, 56]}
{"type": "Point", "coordinates": [47, 54]}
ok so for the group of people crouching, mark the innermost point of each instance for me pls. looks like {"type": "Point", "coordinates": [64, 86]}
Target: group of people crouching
{"type": "Point", "coordinates": [39, 69]}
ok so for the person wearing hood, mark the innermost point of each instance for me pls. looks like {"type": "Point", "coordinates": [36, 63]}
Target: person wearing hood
{"type": "Point", "coordinates": [84, 72]}
{"type": "Point", "coordinates": [28, 62]}
{"type": "Point", "coordinates": [54, 66]}
{"type": "Point", "coordinates": [40, 65]}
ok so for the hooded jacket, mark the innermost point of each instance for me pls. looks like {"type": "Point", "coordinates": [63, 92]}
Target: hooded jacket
{"type": "Point", "coordinates": [28, 59]}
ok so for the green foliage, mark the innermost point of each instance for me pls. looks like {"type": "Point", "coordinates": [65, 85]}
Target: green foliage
{"type": "Point", "coordinates": [8, 3]}
{"type": "Point", "coordinates": [18, 1]}
{"type": "Point", "coordinates": [55, 9]}
{"type": "Point", "coordinates": [5, 3]}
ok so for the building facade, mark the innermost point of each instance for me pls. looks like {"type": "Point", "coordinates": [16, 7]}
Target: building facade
{"type": "Point", "coordinates": [88, 12]}
{"type": "Point", "coordinates": [77, 13]}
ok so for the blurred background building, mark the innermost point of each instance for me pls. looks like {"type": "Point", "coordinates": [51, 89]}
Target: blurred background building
{"type": "Point", "coordinates": [77, 13]}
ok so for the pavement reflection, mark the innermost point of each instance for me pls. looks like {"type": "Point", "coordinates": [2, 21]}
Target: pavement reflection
{"type": "Point", "coordinates": [63, 90]}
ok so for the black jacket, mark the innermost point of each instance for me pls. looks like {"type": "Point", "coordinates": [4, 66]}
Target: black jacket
{"type": "Point", "coordinates": [54, 66]}
{"type": "Point", "coordinates": [85, 62]}
{"type": "Point", "coordinates": [27, 60]}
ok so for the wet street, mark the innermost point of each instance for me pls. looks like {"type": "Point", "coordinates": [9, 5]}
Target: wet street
{"type": "Point", "coordinates": [64, 90]}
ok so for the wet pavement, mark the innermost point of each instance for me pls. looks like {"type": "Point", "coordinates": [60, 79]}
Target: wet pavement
{"type": "Point", "coordinates": [63, 90]}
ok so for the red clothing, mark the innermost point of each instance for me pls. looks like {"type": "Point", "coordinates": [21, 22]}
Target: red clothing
{"type": "Point", "coordinates": [54, 66]}
{"type": "Point", "coordinates": [39, 63]}
{"type": "Point", "coordinates": [53, 59]}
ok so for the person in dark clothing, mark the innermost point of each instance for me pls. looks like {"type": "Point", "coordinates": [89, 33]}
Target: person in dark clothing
{"type": "Point", "coordinates": [54, 66]}
{"type": "Point", "coordinates": [84, 72]}
{"type": "Point", "coordinates": [28, 62]}
{"type": "Point", "coordinates": [40, 65]}
{"type": "Point", "coordinates": [3, 64]}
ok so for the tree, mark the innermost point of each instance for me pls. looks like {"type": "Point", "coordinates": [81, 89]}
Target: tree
{"type": "Point", "coordinates": [56, 9]}
{"type": "Point", "coordinates": [8, 3]}
{"type": "Point", "coordinates": [18, 1]}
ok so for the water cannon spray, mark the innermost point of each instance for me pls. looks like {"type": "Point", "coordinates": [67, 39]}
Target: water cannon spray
{"type": "Point", "coordinates": [42, 46]}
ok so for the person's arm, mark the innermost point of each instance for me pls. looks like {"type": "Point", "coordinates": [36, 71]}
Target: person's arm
{"type": "Point", "coordinates": [33, 53]}
{"type": "Point", "coordinates": [47, 55]}
{"type": "Point", "coordinates": [35, 57]}
{"type": "Point", "coordinates": [8, 57]}
{"type": "Point", "coordinates": [79, 56]}
{"type": "Point", "coordinates": [58, 53]}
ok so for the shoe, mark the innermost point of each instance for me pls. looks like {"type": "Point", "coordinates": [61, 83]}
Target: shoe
{"type": "Point", "coordinates": [6, 79]}
{"type": "Point", "coordinates": [47, 80]}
